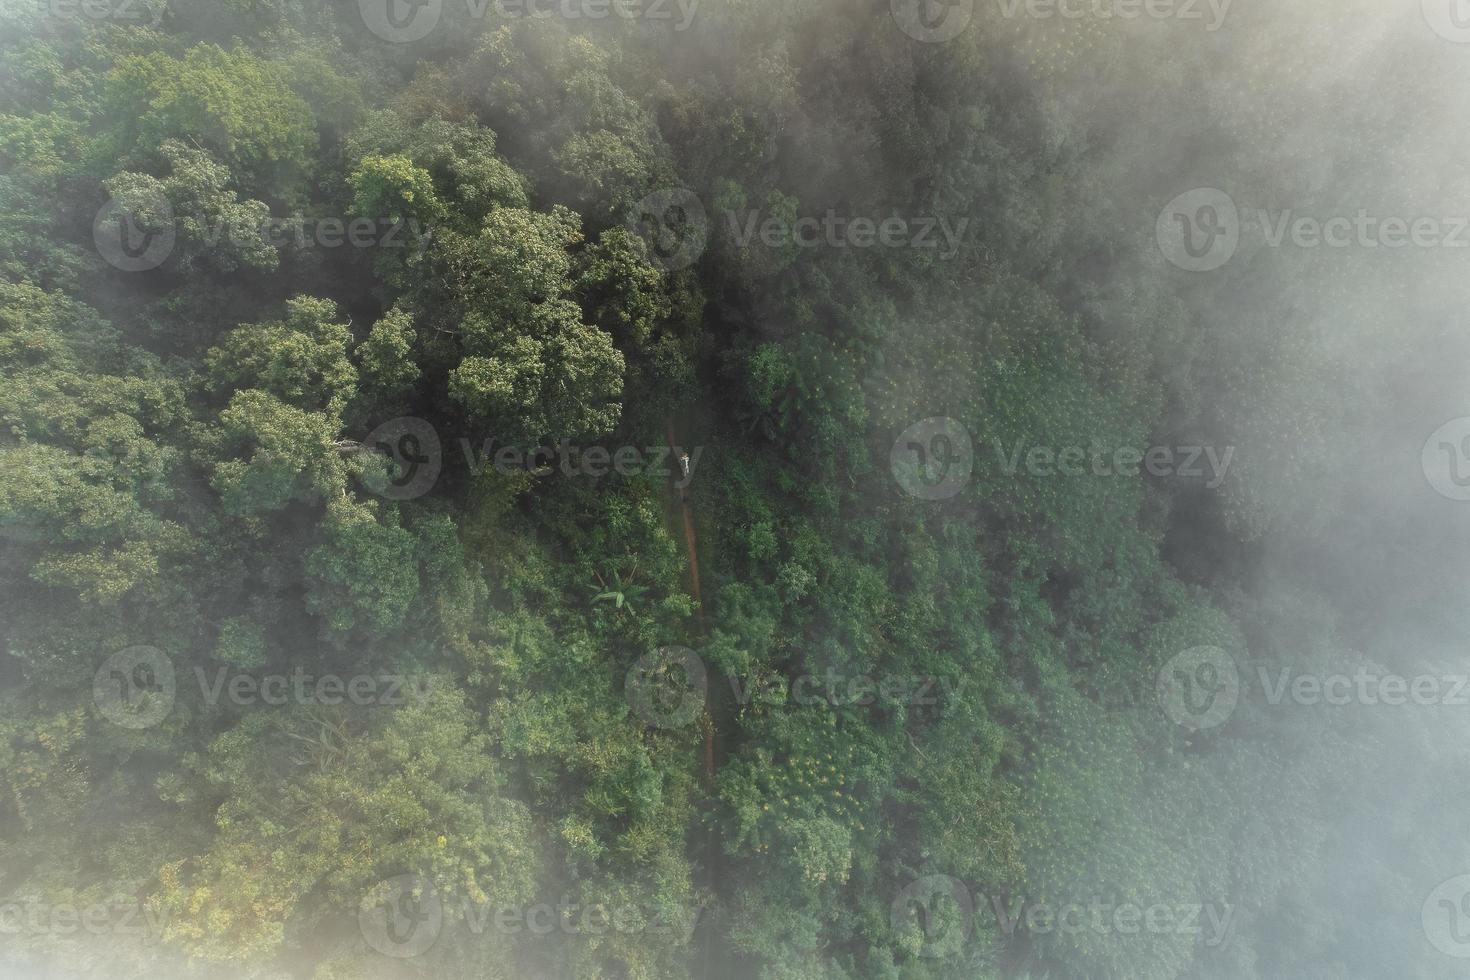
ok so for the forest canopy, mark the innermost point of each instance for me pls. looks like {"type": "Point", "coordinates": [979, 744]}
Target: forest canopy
{"type": "Point", "coordinates": [732, 489]}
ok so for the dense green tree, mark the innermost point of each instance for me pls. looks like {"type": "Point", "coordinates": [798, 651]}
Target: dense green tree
{"type": "Point", "coordinates": [191, 463]}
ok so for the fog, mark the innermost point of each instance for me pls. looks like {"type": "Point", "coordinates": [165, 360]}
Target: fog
{"type": "Point", "coordinates": [968, 489]}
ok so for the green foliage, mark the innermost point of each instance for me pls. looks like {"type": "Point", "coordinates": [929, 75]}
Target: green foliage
{"type": "Point", "coordinates": [208, 222]}
{"type": "Point", "coordinates": [326, 801]}
{"type": "Point", "coordinates": [182, 467]}
{"type": "Point", "coordinates": [234, 104]}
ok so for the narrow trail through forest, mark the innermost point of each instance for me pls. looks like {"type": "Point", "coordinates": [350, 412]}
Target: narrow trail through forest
{"type": "Point", "coordinates": [685, 521]}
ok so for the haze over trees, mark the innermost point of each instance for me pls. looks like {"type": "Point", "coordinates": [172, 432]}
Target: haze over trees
{"type": "Point", "coordinates": [291, 295]}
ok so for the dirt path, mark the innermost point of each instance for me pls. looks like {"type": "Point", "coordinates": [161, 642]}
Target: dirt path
{"type": "Point", "coordinates": [685, 520]}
